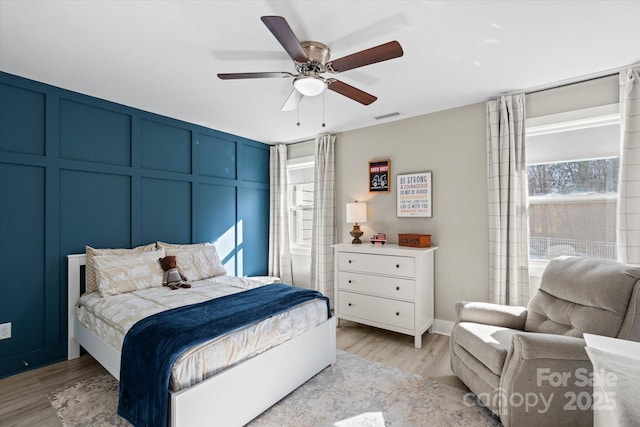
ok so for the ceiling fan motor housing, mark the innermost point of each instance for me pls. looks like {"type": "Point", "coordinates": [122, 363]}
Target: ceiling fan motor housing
{"type": "Point", "coordinates": [318, 55]}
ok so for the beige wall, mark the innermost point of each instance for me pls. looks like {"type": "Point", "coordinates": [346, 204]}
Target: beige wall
{"type": "Point", "coordinates": [300, 149]}
{"type": "Point", "coordinates": [577, 96]}
{"type": "Point", "coordinates": [452, 145]}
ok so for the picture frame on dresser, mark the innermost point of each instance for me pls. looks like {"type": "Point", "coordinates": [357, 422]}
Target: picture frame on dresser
{"type": "Point", "coordinates": [389, 287]}
{"type": "Point", "coordinates": [414, 198]}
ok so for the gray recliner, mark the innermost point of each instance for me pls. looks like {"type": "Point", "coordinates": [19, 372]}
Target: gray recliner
{"type": "Point", "coordinates": [529, 365]}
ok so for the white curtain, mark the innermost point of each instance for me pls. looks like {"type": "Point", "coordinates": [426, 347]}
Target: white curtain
{"type": "Point", "coordinates": [279, 252]}
{"type": "Point", "coordinates": [324, 232]}
{"type": "Point", "coordinates": [628, 224]}
{"type": "Point", "coordinates": [507, 187]}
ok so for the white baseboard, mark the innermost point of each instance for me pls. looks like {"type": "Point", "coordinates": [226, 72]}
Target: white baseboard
{"type": "Point", "coordinates": [442, 327]}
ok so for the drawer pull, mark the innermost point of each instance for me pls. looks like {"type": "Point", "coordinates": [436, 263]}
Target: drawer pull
{"type": "Point", "coordinates": [397, 265]}
{"type": "Point", "coordinates": [349, 304]}
{"type": "Point", "coordinates": [349, 261]}
{"type": "Point", "coordinates": [397, 313]}
{"type": "Point", "coordinates": [349, 281]}
{"type": "Point", "coordinates": [397, 288]}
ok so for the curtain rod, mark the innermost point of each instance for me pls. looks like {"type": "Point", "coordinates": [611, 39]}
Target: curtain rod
{"type": "Point", "coordinates": [576, 80]}
{"type": "Point", "coordinates": [273, 144]}
{"type": "Point", "coordinates": [299, 142]}
{"type": "Point", "coordinates": [568, 83]}
{"type": "Point", "coordinates": [304, 141]}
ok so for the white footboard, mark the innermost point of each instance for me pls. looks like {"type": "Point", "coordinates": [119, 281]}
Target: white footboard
{"type": "Point", "coordinates": [239, 394]}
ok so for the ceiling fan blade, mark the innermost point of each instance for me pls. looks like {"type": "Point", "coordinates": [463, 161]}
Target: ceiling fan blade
{"type": "Point", "coordinates": [351, 92]}
{"type": "Point", "coordinates": [292, 101]}
{"type": "Point", "coordinates": [287, 38]}
{"type": "Point", "coordinates": [233, 76]}
{"type": "Point", "coordinates": [375, 54]}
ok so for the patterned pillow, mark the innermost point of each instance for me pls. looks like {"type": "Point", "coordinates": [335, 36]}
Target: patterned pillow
{"type": "Point", "coordinates": [197, 261]}
{"type": "Point", "coordinates": [117, 274]}
{"type": "Point", "coordinates": [91, 284]}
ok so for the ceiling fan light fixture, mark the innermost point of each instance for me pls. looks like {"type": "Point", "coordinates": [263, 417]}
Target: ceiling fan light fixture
{"type": "Point", "coordinates": [309, 86]}
{"type": "Point", "coordinates": [311, 60]}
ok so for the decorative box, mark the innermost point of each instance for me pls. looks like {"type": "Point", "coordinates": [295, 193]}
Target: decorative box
{"type": "Point", "coordinates": [414, 240]}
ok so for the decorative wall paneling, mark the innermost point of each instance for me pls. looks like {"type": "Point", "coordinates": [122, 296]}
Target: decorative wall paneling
{"type": "Point", "coordinates": [78, 170]}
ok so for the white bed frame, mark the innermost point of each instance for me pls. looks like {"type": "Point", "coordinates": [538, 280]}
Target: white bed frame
{"type": "Point", "coordinates": [236, 395]}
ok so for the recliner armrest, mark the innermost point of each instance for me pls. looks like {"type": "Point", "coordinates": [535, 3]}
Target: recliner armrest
{"type": "Point", "coordinates": [534, 345]}
{"type": "Point", "coordinates": [506, 316]}
{"type": "Point", "coordinates": [554, 368]}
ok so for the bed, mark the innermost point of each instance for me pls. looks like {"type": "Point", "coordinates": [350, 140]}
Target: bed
{"type": "Point", "coordinates": [232, 392]}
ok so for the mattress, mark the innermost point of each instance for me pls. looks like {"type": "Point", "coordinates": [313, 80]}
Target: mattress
{"type": "Point", "coordinates": [111, 318]}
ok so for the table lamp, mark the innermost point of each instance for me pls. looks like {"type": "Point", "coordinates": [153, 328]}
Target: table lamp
{"type": "Point", "coordinates": [356, 213]}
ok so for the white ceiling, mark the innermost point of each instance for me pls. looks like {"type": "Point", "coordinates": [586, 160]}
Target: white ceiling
{"type": "Point", "coordinates": [163, 56]}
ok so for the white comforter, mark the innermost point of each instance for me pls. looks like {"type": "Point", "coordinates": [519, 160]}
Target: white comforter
{"type": "Point", "coordinates": [112, 317]}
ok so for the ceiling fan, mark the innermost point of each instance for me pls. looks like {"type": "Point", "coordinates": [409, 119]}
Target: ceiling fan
{"type": "Point", "coordinates": [312, 59]}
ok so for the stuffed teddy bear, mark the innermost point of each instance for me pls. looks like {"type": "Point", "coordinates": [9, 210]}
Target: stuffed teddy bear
{"type": "Point", "coordinates": [172, 276]}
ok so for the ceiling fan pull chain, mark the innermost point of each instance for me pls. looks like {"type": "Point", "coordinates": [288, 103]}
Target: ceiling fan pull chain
{"type": "Point", "coordinates": [298, 110]}
{"type": "Point", "coordinates": [323, 123]}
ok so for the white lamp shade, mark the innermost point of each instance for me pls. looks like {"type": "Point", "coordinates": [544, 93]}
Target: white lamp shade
{"type": "Point", "coordinates": [356, 213]}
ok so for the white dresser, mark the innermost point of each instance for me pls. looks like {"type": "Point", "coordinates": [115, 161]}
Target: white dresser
{"type": "Point", "coordinates": [387, 286]}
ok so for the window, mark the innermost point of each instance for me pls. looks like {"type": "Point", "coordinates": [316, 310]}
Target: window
{"type": "Point", "coordinates": [300, 175]}
{"type": "Point", "coordinates": [572, 171]}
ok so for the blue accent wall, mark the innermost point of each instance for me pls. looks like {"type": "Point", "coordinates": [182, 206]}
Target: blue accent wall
{"type": "Point", "coordinates": [77, 170]}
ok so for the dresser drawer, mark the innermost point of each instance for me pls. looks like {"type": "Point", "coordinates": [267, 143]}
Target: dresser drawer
{"type": "Point", "coordinates": [390, 287]}
{"type": "Point", "coordinates": [377, 264]}
{"type": "Point", "coordinates": [366, 307]}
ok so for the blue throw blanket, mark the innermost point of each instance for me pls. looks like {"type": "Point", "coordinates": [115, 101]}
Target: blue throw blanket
{"type": "Point", "coordinates": [153, 344]}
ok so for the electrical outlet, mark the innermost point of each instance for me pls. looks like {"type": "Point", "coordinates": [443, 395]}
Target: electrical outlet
{"type": "Point", "coordinates": [5, 331]}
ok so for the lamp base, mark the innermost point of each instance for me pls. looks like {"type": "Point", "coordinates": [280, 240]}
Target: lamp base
{"type": "Point", "coordinates": [356, 234]}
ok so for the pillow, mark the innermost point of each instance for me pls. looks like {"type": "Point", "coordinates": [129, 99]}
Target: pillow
{"type": "Point", "coordinates": [90, 282]}
{"type": "Point", "coordinates": [197, 261]}
{"type": "Point", "coordinates": [193, 246]}
{"type": "Point", "coordinates": [117, 274]}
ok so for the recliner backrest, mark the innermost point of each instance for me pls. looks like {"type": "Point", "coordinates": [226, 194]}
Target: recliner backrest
{"type": "Point", "coordinates": [579, 295]}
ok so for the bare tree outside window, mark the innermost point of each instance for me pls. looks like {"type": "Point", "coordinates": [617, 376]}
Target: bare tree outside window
{"type": "Point", "coordinates": [576, 177]}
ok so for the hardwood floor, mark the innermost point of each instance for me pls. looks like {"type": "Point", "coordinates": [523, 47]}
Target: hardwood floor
{"type": "Point", "coordinates": [397, 350]}
{"type": "Point", "coordinates": [23, 400]}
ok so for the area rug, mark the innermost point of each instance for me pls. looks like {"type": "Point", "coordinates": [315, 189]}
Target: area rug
{"type": "Point", "coordinates": [353, 392]}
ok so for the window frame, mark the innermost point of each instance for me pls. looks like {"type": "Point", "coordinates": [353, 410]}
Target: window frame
{"type": "Point", "coordinates": [292, 164]}
{"type": "Point", "coordinates": [603, 115]}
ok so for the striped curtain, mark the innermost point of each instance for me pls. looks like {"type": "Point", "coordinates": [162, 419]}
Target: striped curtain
{"type": "Point", "coordinates": [324, 231]}
{"type": "Point", "coordinates": [628, 224]}
{"type": "Point", "coordinates": [279, 252]}
{"type": "Point", "coordinates": [507, 187]}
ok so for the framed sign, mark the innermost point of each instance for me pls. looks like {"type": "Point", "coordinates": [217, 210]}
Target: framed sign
{"type": "Point", "coordinates": [414, 195]}
{"type": "Point", "coordinates": [379, 176]}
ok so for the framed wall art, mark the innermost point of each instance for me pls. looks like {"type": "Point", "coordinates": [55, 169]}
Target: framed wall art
{"type": "Point", "coordinates": [379, 173]}
{"type": "Point", "coordinates": [414, 195]}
